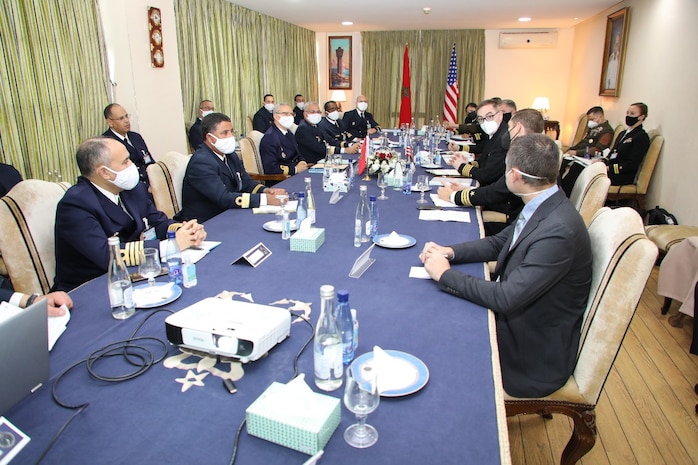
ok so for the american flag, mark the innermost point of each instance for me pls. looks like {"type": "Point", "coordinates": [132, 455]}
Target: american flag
{"type": "Point", "coordinates": [451, 99]}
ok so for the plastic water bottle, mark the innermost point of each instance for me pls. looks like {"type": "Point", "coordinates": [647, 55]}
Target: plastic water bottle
{"type": "Point", "coordinates": [346, 326]}
{"type": "Point", "coordinates": [174, 259]}
{"type": "Point", "coordinates": [373, 215]}
{"type": "Point", "coordinates": [120, 288]}
{"type": "Point", "coordinates": [311, 200]}
{"type": "Point", "coordinates": [301, 210]}
{"type": "Point", "coordinates": [189, 273]}
{"type": "Point", "coordinates": [327, 344]}
{"type": "Point", "coordinates": [407, 179]}
{"type": "Point", "coordinates": [350, 173]}
{"type": "Point", "coordinates": [362, 218]}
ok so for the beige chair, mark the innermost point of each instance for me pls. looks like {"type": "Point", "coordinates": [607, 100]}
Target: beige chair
{"type": "Point", "coordinates": [166, 178]}
{"type": "Point", "coordinates": [623, 258]}
{"type": "Point", "coordinates": [256, 137]}
{"type": "Point", "coordinates": [616, 132]}
{"type": "Point", "coordinates": [248, 125]}
{"type": "Point", "coordinates": [590, 191]}
{"type": "Point", "coordinates": [638, 190]}
{"type": "Point", "coordinates": [27, 223]}
{"type": "Point", "coordinates": [579, 133]}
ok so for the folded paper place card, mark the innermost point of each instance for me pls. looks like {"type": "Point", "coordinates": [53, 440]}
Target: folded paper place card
{"type": "Point", "coordinates": [294, 416]}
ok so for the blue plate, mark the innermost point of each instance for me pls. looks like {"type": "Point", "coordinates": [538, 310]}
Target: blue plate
{"type": "Point", "coordinates": [408, 241]}
{"type": "Point", "coordinates": [175, 292]}
{"type": "Point", "coordinates": [415, 381]}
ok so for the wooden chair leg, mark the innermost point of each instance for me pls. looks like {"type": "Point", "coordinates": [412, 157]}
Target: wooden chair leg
{"type": "Point", "coordinates": [667, 304]}
{"type": "Point", "coordinates": [583, 437]}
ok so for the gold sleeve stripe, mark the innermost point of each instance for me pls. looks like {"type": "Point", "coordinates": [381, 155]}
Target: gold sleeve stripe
{"type": "Point", "coordinates": [132, 253]}
{"type": "Point", "coordinates": [174, 226]}
{"type": "Point", "coordinates": [616, 169]}
{"type": "Point", "coordinates": [476, 164]}
{"type": "Point", "coordinates": [258, 187]}
{"type": "Point", "coordinates": [245, 201]}
{"type": "Point", "coordinates": [465, 197]}
{"type": "Point", "coordinates": [284, 169]}
{"type": "Point", "coordinates": [465, 171]}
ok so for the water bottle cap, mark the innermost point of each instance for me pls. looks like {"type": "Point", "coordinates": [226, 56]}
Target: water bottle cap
{"type": "Point", "coordinates": [306, 179]}
{"type": "Point", "coordinates": [363, 188]}
{"type": "Point", "coordinates": [343, 295]}
{"type": "Point", "coordinates": [327, 291]}
{"type": "Point", "coordinates": [371, 198]}
{"type": "Point", "coordinates": [301, 195]}
{"type": "Point", "coordinates": [113, 240]}
{"type": "Point", "coordinates": [171, 234]}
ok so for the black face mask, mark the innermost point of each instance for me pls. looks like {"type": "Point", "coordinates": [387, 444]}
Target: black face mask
{"type": "Point", "coordinates": [631, 120]}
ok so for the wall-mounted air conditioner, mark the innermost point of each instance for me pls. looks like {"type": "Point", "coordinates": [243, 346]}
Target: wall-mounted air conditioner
{"type": "Point", "coordinates": [542, 39]}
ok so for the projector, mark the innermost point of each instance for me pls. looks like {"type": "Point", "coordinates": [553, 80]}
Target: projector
{"type": "Point", "coordinates": [232, 328]}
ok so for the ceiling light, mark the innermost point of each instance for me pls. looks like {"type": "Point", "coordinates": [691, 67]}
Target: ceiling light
{"type": "Point", "coordinates": [524, 19]}
{"type": "Point", "coordinates": [347, 23]}
{"type": "Point", "coordinates": [426, 10]}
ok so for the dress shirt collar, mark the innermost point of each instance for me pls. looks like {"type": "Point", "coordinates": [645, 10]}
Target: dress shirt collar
{"type": "Point", "coordinates": [113, 197]}
{"type": "Point", "coordinates": [530, 208]}
{"type": "Point", "coordinates": [121, 138]}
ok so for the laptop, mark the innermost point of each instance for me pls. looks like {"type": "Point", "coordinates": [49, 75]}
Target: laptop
{"type": "Point", "coordinates": [23, 354]}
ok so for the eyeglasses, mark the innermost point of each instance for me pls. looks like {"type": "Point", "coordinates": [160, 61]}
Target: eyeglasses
{"type": "Point", "coordinates": [120, 118]}
{"type": "Point", "coordinates": [487, 117]}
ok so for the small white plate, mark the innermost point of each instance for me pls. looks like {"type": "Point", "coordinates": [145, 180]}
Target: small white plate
{"type": "Point", "coordinates": [406, 242]}
{"type": "Point", "coordinates": [162, 299]}
{"type": "Point", "coordinates": [275, 226]}
{"type": "Point", "coordinates": [417, 371]}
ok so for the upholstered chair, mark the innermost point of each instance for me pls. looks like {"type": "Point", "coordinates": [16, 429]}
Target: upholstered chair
{"type": "Point", "coordinates": [166, 178]}
{"type": "Point", "coordinates": [590, 190]}
{"type": "Point", "coordinates": [579, 133]}
{"type": "Point", "coordinates": [27, 223]}
{"type": "Point", "coordinates": [255, 137]}
{"type": "Point", "coordinates": [623, 258]}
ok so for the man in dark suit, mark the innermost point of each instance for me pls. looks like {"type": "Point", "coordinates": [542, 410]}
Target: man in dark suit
{"type": "Point", "coordinates": [299, 101]}
{"type": "Point", "coordinates": [311, 141]}
{"type": "Point", "coordinates": [120, 129]}
{"type": "Point", "coordinates": [108, 200]}
{"type": "Point", "coordinates": [206, 107]}
{"type": "Point", "coordinates": [55, 300]}
{"type": "Point", "coordinates": [9, 176]}
{"type": "Point", "coordinates": [358, 122]}
{"type": "Point", "coordinates": [278, 148]}
{"type": "Point", "coordinates": [541, 283]}
{"type": "Point", "coordinates": [264, 118]}
{"type": "Point", "coordinates": [216, 180]}
{"type": "Point", "coordinates": [332, 130]}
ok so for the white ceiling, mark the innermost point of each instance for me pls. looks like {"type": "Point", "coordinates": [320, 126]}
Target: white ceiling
{"type": "Point", "coordinates": [388, 15]}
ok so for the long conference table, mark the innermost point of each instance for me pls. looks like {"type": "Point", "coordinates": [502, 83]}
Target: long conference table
{"type": "Point", "coordinates": [457, 418]}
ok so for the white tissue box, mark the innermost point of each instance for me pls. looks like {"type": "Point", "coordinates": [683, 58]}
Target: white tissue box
{"type": "Point", "coordinates": [307, 434]}
{"type": "Point", "coordinates": [307, 241]}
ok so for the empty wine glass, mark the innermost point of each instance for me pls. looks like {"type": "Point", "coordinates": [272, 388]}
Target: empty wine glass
{"type": "Point", "coordinates": [382, 183]}
{"type": "Point", "coordinates": [361, 397]}
{"type": "Point", "coordinates": [422, 186]}
{"type": "Point", "coordinates": [149, 267]}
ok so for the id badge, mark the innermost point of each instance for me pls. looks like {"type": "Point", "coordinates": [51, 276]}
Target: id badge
{"type": "Point", "coordinates": [614, 155]}
{"type": "Point", "coordinates": [149, 234]}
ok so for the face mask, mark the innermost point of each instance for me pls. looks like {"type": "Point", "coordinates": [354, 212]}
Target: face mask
{"type": "Point", "coordinates": [490, 127]}
{"type": "Point", "coordinates": [333, 115]}
{"type": "Point", "coordinates": [286, 121]}
{"type": "Point", "coordinates": [592, 124]}
{"type": "Point", "coordinates": [205, 113]}
{"type": "Point", "coordinates": [127, 178]}
{"type": "Point", "coordinates": [300, 105]}
{"type": "Point", "coordinates": [269, 107]}
{"type": "Point", "coordinates": [314, 118]}
{"type": "Point", "coordinates": [526, 175]}
{"type": "Point", "coordinates": [226, 145]}
{"type": "Point", "coordinates": [631, 120]}
{"type": "Point", "coordinates": [362, 106]}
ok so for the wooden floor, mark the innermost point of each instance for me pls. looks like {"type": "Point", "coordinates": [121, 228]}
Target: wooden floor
{"type": "Point", "coordinates": [646, 414]}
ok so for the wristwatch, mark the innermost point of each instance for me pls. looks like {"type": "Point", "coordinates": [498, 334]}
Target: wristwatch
{"type": "Point", "coordinates": [31, 299]}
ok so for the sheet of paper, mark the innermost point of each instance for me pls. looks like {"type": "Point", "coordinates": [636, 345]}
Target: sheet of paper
{"type": "Point", "coordinates": [465, 182]}
{"type": "Point", "coordinates": [444, 215]}
{"type": "Point", "coordinates": [14, 440]}
{"type": "Point", "coordinates": [444, 172]}
{"type": "Point", "coordinates": [56, 327]}
{"type": "Point", "coordinates": [193, 254]}
{"type": "Point", "coordinates": [419, 272]}
{"type": "Point", "coordinates": [440, 202]}
{"type": "Point", "coordinates": [290, 206]}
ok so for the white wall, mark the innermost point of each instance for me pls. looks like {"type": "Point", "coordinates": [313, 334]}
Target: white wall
{"type": "Point", "coordinates": [152, 96]}
{"type": "Point", "coordinates": [660, 70]}
{"type": "Point", "coordinates": [524, 74]}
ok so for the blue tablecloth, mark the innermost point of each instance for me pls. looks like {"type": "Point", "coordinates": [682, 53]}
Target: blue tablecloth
{"type": "Point", "coordinates": [455, 419]}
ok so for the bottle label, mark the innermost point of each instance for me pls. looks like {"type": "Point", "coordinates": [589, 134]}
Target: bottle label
{"type": "Point", "coordinates": [311, 215]}
{"type": "Point", "coordinates": [128, 297]}
{"type": "Point", "coordinates": [368, 228]}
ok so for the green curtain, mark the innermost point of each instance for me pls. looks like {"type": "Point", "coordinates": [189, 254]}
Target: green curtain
{"type": "Point", "coordinates": [430, 53]}
{"type": "Point", "coordinates": [52, 84]}
{"type": "Point", "coordinates": [233, 56]}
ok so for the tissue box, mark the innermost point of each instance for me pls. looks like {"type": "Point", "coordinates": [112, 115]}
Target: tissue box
{"type": "Point", "coordinates": [307, 241]}
{"type": "Point", "coordinates": [307, 434]}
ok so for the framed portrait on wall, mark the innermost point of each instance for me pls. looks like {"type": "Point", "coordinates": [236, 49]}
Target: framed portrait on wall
{"type": "Point", "coordinates": [614, 52]}
{"type": "Point", "coordinates": [340, 62]}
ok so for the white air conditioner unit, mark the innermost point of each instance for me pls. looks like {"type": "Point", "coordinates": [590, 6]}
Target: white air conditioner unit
{"type": "Point", "coordinates": [543, 39]}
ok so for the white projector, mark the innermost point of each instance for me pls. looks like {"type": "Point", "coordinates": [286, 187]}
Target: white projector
{"type": "Point", "coordinates": [229, 327]}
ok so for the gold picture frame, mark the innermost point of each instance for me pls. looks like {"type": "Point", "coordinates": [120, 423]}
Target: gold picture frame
{"type": "Point", "coordinates": [340, 52]}
{"type": "Point", "coordinates": [617, 26]}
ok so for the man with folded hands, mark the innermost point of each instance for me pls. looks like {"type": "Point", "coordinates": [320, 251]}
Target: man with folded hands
{"type": "Point", "coordinates": [108, 200]}
{"type": "Point", "coordinates": [541, 283]}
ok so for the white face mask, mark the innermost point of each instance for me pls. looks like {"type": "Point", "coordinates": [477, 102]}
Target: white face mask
{"type": "Point", "coordinates": [490, 127]}
{"type": "Point", "coordinates": [592, 124]}
{"type": "Point", "coordinates": [362, 106]}
{"type": "Point", "coordinates": [333, 115]}
{"type": "Point", "coordinates": [314, 118]}
{"type": "Point", "coordinates": [226, 145]}
{"type": "Point", "coordinates": [269, 107]}
{"type": "Point", "coordinates": [127, 178]}
{"type": "Point", "coordinates": [286, 121]}
{"type": "Point", "coordinates": [300, 105]}
{"type": "Point", "coordinates": [205, 113]}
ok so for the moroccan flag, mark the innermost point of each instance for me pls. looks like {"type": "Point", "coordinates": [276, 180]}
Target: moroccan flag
{"type": "Point", "coordinates": [451, 99]}
{"type": "Point", "coordinates": [362, 158]}
{"type": "Point", "coordinates": [406, 102]}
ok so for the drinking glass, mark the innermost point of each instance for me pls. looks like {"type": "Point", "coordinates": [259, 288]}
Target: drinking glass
{"type": "Point", "coordinates": [149, 267]}
{"type": "Point", "coordinates": [382, 184]}
{"type": "Point", "coordinates": [283, 217]}
{"type": "Point", "coordinates": [422, 186]}
{"type": "Point", "coordinates": [361, 397]}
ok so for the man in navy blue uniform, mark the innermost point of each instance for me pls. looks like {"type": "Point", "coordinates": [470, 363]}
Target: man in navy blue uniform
{"type": "Point", "coordinates": [108, 200]}
{"type": "Point", "coordinates": [216, 180]}
{"type": "Point", "coordinates": [264, 118]}
{"type": "Point", "coordinates": [278, 148]}
{"type": "Point", "coordinates": [195, 137]}
{"type": "Point", "coordinates": [120, 129]}
{"type": "Point", "coordinates": [332, 129]}
{"type": "Point", "coordinates": [311, 141]}
{"type": "Point", "coordinates": [358, 122]}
